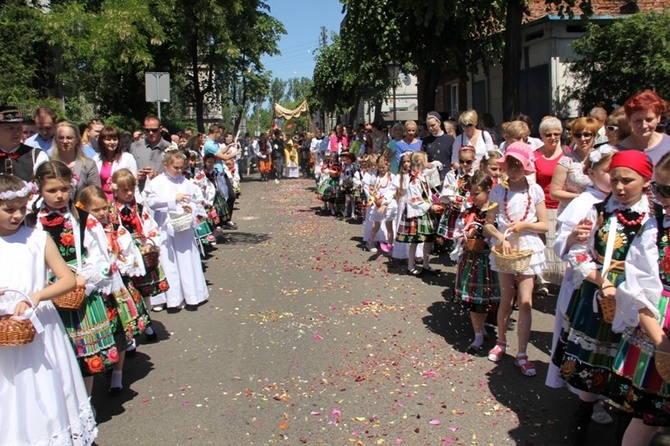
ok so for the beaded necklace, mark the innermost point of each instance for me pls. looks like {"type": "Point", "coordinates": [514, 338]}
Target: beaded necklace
{"type": "Point", "coordinates": [626, 222]}
{"type": "Point", "coordinates": [523, 218]}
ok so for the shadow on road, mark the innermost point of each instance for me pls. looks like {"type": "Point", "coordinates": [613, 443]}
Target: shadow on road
{"type": "Point", "coordinates": [244, 238]}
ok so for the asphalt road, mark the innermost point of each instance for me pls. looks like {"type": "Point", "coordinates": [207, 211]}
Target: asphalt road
{"type": "Point", "coordinates": [308, 339]}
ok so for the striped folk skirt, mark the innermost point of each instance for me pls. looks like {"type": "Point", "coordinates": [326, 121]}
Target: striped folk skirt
{"type": "Point", "coordinates": [477, 287]}
{"type": "Point", "coordinates": [635, 383]}
{"type": "Point", "coordinates": [586, 348]}
{"type": "Point", "coordinates": [420, 229]}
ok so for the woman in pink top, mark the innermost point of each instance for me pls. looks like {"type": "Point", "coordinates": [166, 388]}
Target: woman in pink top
{"type": "Point", "coordinates": [339, 140]}
{"type": "Point", "coordinates": [111, 158]}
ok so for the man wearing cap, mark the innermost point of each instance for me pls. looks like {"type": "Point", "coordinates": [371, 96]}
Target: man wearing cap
{"type": "Point", "coordinates": [148, 152]}
{"type": "Point", "coordinates": [438, 144]}
{"type": "Point", "coordinates": [15, 157]}
{"type": "Point", "coordinates": [45, 121]}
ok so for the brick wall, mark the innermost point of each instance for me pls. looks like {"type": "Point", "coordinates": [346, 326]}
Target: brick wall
{"type": "Point", "coordinates": [538, 8]}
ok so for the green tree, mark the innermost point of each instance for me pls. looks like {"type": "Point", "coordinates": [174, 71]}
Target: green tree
{"type": "Point", "coordinates": [605, 71]}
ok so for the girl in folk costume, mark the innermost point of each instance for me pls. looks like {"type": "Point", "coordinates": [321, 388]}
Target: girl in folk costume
{"type": "Point", "coordinates": [621, 237]}
{"type": "Point", "coordinates": [476, 284]}
{"type": "Point", "coordinates": [347, 159]}
{"type": "Point", "coordinates": [454, 191]}
{"type": "Point", "coordinates": [263, 152]}
{"type": "Point", "coordinates": [125, 306]}
{"type": "Point", "coordinates": [82, 243]}
{"type": "Point", "coordinates": [170, 196]}
{"type": "Point", "coordinates": [216, 179]}
{"type": "Point", "coordinates": [129, 215]}
{"type": "Point", "coordinates": [330, 183]}
{"type": "Point", "coordinates": [644, 319]}
{"type": "Point", "coordinates": [359, 200]}
{"type": "Point", "coordinates": [489, 165]}
{"type": "Point", "coordinates": [210, 219]}
{"type": "Point", "coordinates": [416, 222]}
{"type": "Point", "coordinates": [234, 177]}
{"type": "Point", "coordinates": [43, 396]}
{"type": "Point", "coordinates": [597, 168]}
{"type": "Point", "coordinates": [521, 216]}
{"type": "Point", "coordinates": [384, 206]}
{"type": "Point", "coordinates": [369, 173]}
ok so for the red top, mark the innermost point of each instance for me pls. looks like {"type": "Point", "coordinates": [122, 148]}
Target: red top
{"type": "Point", "coordinates": [544, 172]}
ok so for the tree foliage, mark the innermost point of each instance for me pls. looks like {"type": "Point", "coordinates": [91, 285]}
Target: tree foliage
{"type": "Point", "coordinates": [607, 74]}
{"type": "Point", "coordinates": [96, 52]}
{"type": "Point", "coordinates": [425, 36]}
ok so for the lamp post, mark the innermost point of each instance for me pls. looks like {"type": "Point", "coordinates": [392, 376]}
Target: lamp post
{"type": "Point", "coordinates": [394, 70]}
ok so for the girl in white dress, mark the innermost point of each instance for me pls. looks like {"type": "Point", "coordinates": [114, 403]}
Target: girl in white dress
{"type": "Point", "coordinates": [169, 195]}
{"type": "Point", "coordinates": [382, 211]}
{"type": "Point", "coordinates": [44, 400]}
{"type": "Point", "coordinates": [518, 207]}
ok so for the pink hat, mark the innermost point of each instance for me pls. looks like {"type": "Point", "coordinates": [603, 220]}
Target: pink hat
{"type": "Point", "coordinates": [521, 152]}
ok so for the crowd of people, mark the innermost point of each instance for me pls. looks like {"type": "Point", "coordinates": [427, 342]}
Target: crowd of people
{"type": "Point", "coordinates": [101, 230]}
{"type": "Point", "coordinates": [583, 206]}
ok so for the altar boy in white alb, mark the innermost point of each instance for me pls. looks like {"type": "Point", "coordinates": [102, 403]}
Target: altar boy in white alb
{"type": "Point", "coordinates": [170, 196]}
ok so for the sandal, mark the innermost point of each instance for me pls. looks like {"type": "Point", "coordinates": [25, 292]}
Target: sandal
{"type": "Point", "coordinates": [497, 352]}
{"type": "Point", "coordinates": [414, 272]}
{"type": "Point", "coordinates": [371, 247]}
{"type": "Point", "coordinates": [429, 270]}
{"type": "Point", "coordinates": [527, 367]}
{"type": "Point", "coordinates": [474, 348]}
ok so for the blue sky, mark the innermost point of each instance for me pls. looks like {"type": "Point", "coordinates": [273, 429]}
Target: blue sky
{"type": "Point", "coordinates": [303, 20]}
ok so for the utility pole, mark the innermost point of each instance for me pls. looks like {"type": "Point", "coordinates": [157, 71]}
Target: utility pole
{"type": "Point", "coordinates": [324, 36]}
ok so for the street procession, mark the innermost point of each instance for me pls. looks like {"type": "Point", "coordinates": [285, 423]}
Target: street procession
{"type": "Point", "coordinates": [362, 223]}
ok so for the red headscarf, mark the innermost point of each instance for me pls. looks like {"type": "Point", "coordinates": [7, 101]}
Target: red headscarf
{"type": "Point", "coordinates": [633, 159]}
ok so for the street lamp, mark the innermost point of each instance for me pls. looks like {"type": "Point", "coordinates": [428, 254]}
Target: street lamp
{"type": "Point", "coordinates": [394, 70]}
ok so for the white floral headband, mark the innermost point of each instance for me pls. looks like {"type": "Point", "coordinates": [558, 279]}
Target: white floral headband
{"type": "Point", "coordinates": [598, 153]}
{"type": "Point", "coordinates": [27, 190]}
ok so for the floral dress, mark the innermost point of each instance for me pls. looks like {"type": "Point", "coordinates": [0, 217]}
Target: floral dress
{"type": "Point", "coordinates": [88, 328]}
{"type": "Point", "coordinates": [587, 344]}
{"type": "Point", "coordinates": [635, 383]}
{"type": "Point", "coordinates": [125, 306]}
{"type": "Point", "coordinates": [576, 181]}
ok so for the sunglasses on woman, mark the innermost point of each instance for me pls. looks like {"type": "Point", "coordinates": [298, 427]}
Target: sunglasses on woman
{"type": "Point", "coordinates": [660, 189]}
{"type": "Point", "coordinates": [611, 128]}
{"type": "Point", "coordinates": [462, 161]}
{"type": "Point", "coordinates": [585, 135]}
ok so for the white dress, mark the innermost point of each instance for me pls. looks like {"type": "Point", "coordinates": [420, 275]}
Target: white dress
{"type": "Point", "coordinates": [44, 400]}
{"type": "Point", "coordinates": [517, 202]}
{"type": "Point", "coordinates": [179, 256]}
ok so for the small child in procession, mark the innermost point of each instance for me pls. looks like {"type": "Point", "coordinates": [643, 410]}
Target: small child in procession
{"type": "Point", "coordinates": [82, 243]}
{"type": "Point", "coordinates": [125, 306]}
{"type": "Point", "coordinates": [133, 217]}
{"type": "Point", "coordinates": [521, 215]}
{"type": "Point", "coordinates": [454, 191]}
{"type": "Point", "coordinates": [477, 287]}
{"type": "Point", "coordinates": [489, 165]}
{"type": "Point", "coordinates": [44, 399]}
{"type": "Point", "coordinates": [172, 197]}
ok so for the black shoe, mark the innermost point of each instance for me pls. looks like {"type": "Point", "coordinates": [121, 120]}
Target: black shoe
{"type": "Point", "coordinates": [131, 353]}
{"type": "Point", "coordinates": [115, 391]}
{"type": "Point", "coordinates": [151, 338]}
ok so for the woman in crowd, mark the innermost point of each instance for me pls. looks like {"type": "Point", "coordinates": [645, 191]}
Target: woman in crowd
{"type": "Point", "coordinates": [481, 140]}
{"type": "Point", "coordinates": [410, 143]}
{"type": "Point", "coordinates": [396, 134]}
{"type": "Point", "coordinates": [616, 127]}
{"type": "Point", "coordinates": [569, 178]}
{"type": "Point", "coordinates": [111, 158]}
{"type": "Point", "coordinates": [68, 149]}
{"type": "Point", "coordinates": [643, 112]}
{"type": "Point", "coordinates": [546, 160]}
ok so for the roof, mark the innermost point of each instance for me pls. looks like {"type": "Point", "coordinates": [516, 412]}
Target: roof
{"type": "Point", "coordinates": [612, 8]}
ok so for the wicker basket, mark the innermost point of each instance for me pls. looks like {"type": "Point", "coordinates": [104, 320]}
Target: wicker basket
{"type": "Point", "coordinates": [72, 300]}
{"type": "Point", "coordinates": [516, 261]}
{"type": "Point", "coordinates": [662, 361]}
{"type": "Point", "coordinates": [150, 254]}
{"type": "Point", "coordinates": [473, 244]}
{"type": "Point", "coordinates": [607, 304]}
{"type": "Point", "coordinates": [181, 223]}
{"type": "Point", "coordinates": [16, 332]}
